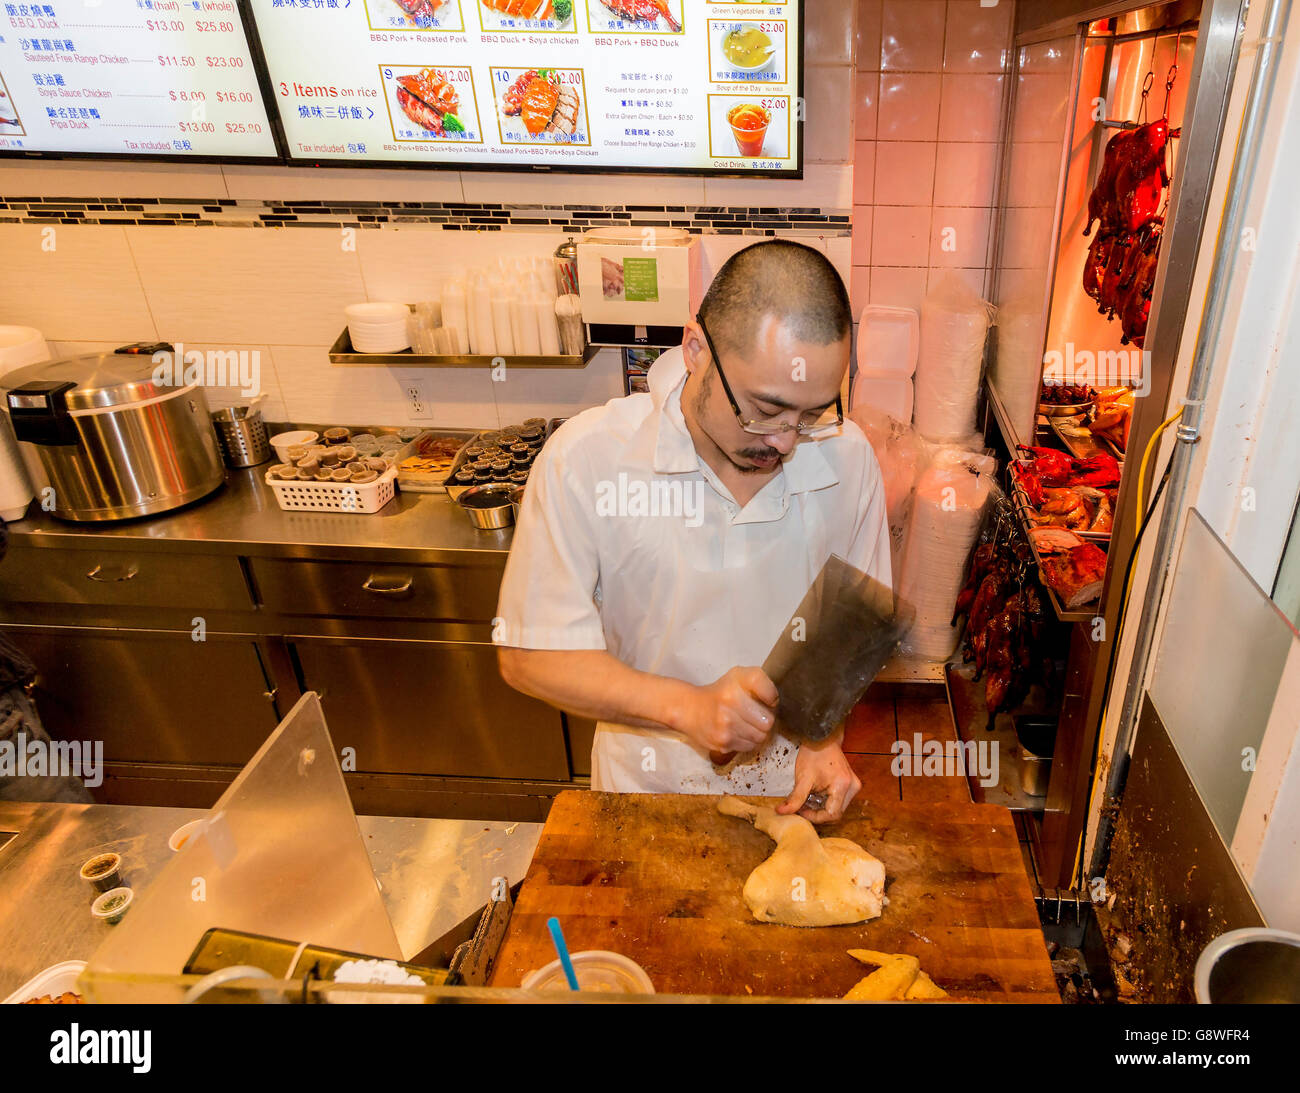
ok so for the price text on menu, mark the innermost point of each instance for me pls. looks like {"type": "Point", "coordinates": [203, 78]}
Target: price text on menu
{"type": "Point", "coordinates": [149, 78]}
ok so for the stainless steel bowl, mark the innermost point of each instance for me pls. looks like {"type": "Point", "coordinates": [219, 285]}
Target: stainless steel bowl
{"type": "Point", "coordinates": [488, 506]}
{"type": "Point", "coordinates": [516, 495]}
{"type": "Point", "coordinates": [1250, 966]}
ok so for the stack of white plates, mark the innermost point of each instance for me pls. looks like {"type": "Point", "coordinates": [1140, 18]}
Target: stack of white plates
{"type": "Point", "coordinates": [378, 327]}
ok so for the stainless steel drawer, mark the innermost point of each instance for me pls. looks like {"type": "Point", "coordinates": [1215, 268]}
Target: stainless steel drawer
{"type": "Point", "coordinates": [364, 589]}
{"type": "Point", "coordinates": [150, 699]}
{"type": "Point", "coordinates": [123, 578]}
{"type": "Point", "coordinates": [431, 708]}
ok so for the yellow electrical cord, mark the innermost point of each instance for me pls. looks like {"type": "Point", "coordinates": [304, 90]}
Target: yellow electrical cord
{"type": "Point", "coordinates": [1123, 605]}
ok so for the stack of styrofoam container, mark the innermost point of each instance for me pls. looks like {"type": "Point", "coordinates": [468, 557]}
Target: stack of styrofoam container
{"type": "Point", "coordinates": [888, 342]}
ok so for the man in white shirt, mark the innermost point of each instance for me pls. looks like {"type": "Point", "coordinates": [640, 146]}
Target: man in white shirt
{"type": "Point", "coordinates": [665, 540]}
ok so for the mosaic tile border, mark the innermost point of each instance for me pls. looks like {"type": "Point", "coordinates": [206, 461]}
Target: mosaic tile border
{"type": "Point", "coordinates": [451, 216]}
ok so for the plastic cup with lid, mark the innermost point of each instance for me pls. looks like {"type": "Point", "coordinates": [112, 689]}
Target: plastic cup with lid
{"type": "Point", "coordinates": [597, 970]}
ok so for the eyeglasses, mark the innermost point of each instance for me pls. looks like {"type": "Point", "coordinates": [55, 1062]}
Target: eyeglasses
{"type": "Point", "coordinates": [771, 428]}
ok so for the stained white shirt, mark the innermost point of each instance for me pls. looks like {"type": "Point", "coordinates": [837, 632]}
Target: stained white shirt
{"type": "Point", "coordinates": [628, 542]}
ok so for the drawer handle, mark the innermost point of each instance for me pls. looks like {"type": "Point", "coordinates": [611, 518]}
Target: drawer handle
{"type": "Point", "coordinates": [97, 574]}
{"type": "Point", "coordinates": [398, 590]}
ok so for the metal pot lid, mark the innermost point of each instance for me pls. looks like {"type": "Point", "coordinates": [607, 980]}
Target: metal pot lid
{"type": "Point", "coordinates": [102, 379]}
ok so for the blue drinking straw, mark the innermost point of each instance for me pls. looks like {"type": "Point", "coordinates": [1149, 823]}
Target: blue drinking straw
{"type": "Point", "coordinates": [557, 939]}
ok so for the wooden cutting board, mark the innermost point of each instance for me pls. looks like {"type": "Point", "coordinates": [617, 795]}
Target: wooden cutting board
{"type": "Point", "coordinates": [658, 877]}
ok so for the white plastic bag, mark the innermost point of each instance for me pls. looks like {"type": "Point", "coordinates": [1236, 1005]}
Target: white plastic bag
{"type": "Point", "coordinates": [946, 514]}
{"type": "Point", "coordinates": [902, 456]}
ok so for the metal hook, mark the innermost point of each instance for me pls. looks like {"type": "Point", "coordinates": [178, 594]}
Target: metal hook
{"type": "Point", "coordinates": [1169, 87]}
{"type": "Point", "coordinates": [1146, 88]}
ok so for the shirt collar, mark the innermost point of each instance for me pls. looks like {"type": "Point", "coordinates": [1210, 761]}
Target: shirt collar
{"type": "Point", "coordinates": [806, 469]}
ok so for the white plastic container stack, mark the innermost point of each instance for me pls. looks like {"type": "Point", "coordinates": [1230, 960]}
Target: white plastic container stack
{"type": "Point", "coordinates": [888, 341]}
{"type": "Point", "coordinates": [954, 325]}
{"type": "Point", "coordinates": [945, 519]}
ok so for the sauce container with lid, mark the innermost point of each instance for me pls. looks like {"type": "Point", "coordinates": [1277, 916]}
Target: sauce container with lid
{"type": "Point", "coordinates": [110, 906]}
{"type": "Point", "coordinates": [103, 871]}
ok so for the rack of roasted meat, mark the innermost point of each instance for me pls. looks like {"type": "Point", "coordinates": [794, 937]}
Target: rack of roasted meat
{"type": "Point", "coordinates": [1058, 490]}
{"type": "Point", "coordinates": [1127, 204]}
{"type": "Point", "coordinates": [1008, 623]}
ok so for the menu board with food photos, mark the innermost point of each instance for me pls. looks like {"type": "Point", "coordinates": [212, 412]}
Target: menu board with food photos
{"type": "Point", "coordinates": [660, 85]}
{"type": "Point", "coordinates": [162, 79]}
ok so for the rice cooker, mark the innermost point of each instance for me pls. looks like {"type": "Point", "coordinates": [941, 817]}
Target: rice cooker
{"type": "Point", "coordinates": [115, 437]}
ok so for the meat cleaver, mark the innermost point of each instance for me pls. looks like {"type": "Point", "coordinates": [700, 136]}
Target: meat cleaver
{"type": "Point", "coordinates": [844, 630]}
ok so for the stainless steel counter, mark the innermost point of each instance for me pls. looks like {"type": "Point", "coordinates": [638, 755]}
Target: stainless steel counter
{"type": "Point", "coordinates": [243, 518]}
{"type": "Point", "coordinates": [434, 873]}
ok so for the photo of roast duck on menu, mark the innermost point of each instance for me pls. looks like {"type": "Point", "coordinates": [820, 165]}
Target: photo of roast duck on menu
{"type": "Point", "coordinates": [532, 15]}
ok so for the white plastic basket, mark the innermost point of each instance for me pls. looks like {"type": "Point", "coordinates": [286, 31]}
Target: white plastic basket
{"type": "Point", "coordinates": [300, 496]}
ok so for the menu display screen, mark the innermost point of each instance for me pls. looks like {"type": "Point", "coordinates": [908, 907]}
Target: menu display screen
{"type": "Point", "coordinates": [658, 85]}
{"type": "Point", "coordinates": [149, 78]}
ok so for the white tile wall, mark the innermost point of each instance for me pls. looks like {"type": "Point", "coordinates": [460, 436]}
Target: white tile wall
{"type": "Point", "coordinates": [73, 283]}
{"type": "Point", "coordinates": [929, 85]}
{"type": "Point", "coordinates": [278, 286]}
{"type": "Point", "coordinates": [909, 106]}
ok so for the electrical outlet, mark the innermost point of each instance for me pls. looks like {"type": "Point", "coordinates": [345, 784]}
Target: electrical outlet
{"type": "Point", "coordinates": [419, 403]}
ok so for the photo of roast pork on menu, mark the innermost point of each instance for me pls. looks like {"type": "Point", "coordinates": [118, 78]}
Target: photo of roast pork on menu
{"type": "Point", "coordinates": [519, 15]}
{"type": "Point", "coordinates": [414, 15]}
{"type": "Point", "coordinates": [538, 105]}
{"type": "Point", "coordinates": [426, 104]}
{"type": "Point", "coordinates": [634, 16]}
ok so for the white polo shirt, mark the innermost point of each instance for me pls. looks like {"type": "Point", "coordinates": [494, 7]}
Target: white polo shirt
{"type": "Point", "coordinates": [627, 541]}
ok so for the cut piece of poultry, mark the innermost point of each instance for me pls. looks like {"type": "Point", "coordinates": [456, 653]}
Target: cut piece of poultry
{"type": "Point", "coordinates": [898, 979]}
{"type": "Point", "coordinates": [808, 881]}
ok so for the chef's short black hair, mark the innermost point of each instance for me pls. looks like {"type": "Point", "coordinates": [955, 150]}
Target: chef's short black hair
{"type": "Point", "coordinates": [795, 283]}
